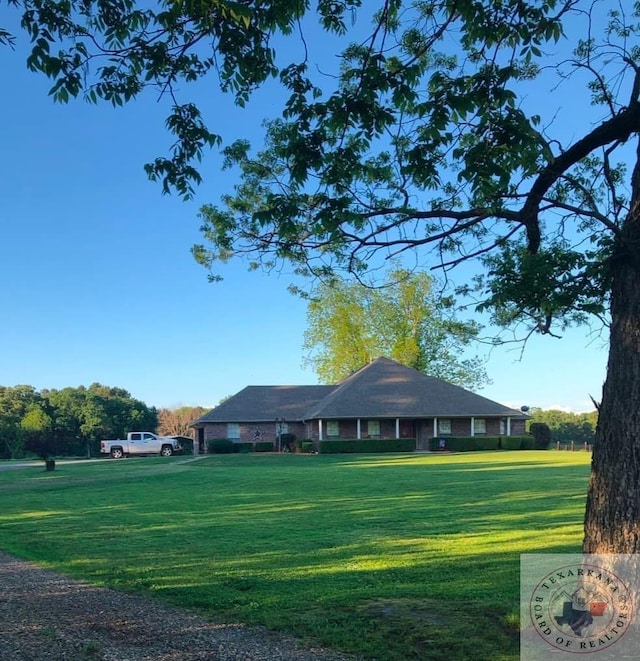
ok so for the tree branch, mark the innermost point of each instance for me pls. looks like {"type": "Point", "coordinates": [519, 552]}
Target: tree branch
{"type": "Point", "coordinates": [616, 129]}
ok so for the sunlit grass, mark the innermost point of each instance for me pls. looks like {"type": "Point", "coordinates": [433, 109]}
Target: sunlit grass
{"type": "Point", "coordinates": [392, 557]}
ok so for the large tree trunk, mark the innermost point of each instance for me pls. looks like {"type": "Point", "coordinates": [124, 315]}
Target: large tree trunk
{"type": "Point", "coordinates": [612, 519]}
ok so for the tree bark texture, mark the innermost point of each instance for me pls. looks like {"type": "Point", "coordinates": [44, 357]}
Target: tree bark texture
{"type": "Point", "coordinates": [612, 519]}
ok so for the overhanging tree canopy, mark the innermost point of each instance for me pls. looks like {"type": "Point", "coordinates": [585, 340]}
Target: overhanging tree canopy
{"type": "Point", "coordinates": [424, 142]}
{"type": "Point", "coordinates": [116, 50]}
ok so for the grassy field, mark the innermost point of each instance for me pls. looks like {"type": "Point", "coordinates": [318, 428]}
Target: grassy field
{"type": "Point", "coordinates": [391, 557]}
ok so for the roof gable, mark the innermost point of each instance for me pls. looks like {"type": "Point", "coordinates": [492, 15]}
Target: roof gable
{"type": "Point", "coordinates": [385, 388]}
{"type": "Point", "coordinates": [382, 389]}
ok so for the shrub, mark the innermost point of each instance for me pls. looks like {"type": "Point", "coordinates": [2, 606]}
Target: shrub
{"type": "Point", "coordinates": [264, 446]}
{"type": "Point", "coordinates": [479, 443]}
{"type": "Point", "coordinates": [287, 441]}
{"type": "Point", "coordinates": [306, 446]}
{"type": "Point", "coordinates": [487, 442]}
{"type": "Point", "coordinates": [456, 443]}
{"type": "Point", "coordinates": [367, 445]}
{"type": "Point", "coordinates": [541, 433]}
{"type": "Point", "coordinates": [516, 442]}
{"type": "Point", "coordinates": [336, 447]}
{"type": "Point", "coordinates": [242, 448]}
{"type": "Point", "coordinates": [528, 443]}
{"type": "Point", "coordinates": [220, 446]}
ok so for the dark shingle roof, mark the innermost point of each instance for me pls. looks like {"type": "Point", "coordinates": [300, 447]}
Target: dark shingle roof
{"type": "Point", "coordinates": [385, 388]}
{"type": "Point", "coordinates": [382, 389]}
{"type": "Point", "coordinates": [266, 403]}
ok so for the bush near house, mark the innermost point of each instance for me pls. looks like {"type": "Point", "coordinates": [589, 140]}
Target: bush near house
{"type": "Point", "coordinates": [367, 445]}
{"type": "Point", "coordinates": [242, 448]}
{"type": "Point", "coordinates": [227, 446]}
{"type": "Point", "coordinates": [517, 442]}
{"type": "Point", "coordinates": [478, 443]}
{"type": "Point", "coordinates": [541, 433]}
{"type": "Point", "coordinates": [220, 446]}
{"type": "Point", "coordinates": [263, 446]}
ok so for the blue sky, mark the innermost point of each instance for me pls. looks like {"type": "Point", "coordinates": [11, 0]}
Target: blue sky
{"type": "Point", "coordinates": [99, 284]}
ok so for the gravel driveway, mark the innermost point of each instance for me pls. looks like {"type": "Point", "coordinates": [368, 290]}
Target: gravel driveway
{"type": "Point", "coordinates": [44, 615]}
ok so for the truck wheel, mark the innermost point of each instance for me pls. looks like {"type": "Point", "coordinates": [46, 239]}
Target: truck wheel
{"type": "Point", "coordinates": [116, 453]}
{"type": "Point", "coordinates": [166, 451]}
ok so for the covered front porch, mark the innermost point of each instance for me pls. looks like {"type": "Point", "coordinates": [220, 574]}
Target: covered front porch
{"type": "Point", "coordinates": [420, 429]}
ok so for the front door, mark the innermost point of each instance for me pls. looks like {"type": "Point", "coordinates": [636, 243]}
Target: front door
{"type": "Point", "coordinates": [423, 428]}
{"type": "Point", "coordinates": [407, 429]}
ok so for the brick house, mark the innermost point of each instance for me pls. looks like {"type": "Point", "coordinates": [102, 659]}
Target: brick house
{"type": "Point", "coordinates": [382, 400]}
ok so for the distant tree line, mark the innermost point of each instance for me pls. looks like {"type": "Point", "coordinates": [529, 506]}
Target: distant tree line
{"type": "Point", "coordinates": [566, 426]}
{"type": "Point", "coordinates": [67, 422]}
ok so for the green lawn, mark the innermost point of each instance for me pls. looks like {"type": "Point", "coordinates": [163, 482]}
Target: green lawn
{"type": "Point", "coordinates": [392, 557]}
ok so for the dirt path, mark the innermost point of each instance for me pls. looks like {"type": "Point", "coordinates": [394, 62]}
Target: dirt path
{"type": "Point", "coordinates": [44, 615]}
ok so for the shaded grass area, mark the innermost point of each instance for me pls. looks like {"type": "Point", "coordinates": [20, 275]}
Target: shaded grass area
{"type": "Point", "coordinates": [390, 557]}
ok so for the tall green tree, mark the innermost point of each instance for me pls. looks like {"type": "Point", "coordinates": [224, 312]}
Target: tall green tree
{"type": "Point", "coordinates": [426, 140]}
{"type": "Point", "coordinates": [37, 426]}
{"type": "Point", "coordinates": [82, 416]}
{"type": "Point", "coordinates": [350, 324]}
{"type": "Point", "coordinates": [109, 412]}
{"type": "Point", "coordinates": [66, 406]}
{"type": "Point", "coordinates": [15, 404]}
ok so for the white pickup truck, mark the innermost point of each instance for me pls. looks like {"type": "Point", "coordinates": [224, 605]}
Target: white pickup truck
{"type": "Point", "coordinates": [141, 442]}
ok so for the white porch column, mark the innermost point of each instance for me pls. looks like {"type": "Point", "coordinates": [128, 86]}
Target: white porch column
{"type": "Point", "coordinates": [358, 432]}
{"type": "Point", "coordinates": [320, 430]}
{"type": "Point", "coordinates": [473, 426]}
{"type": "Point", "coordinates": [397, 427]}
{"type": "Point", "coordinates": [508, 426]}
{"type": "Point", "coordinates": [435, 427]}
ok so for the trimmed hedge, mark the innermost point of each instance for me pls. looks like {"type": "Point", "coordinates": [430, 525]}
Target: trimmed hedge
{"type": "Point", "coordinates": [220, 446]}
{"type": "Point", "coordinates": [465, 443]}
{"type": "Point", "coordinates": [529, 443]}
{"type": "Point", "coordinates": [264, 446]}
{"type": "Point", "coordinates": [479, 443]}
{"type": "Point", "coordinates": [367, 445]}
{"type": "Point", "coordinates": [226, 446]}
{"type": "Point", "coordinates": [516, 443]}
{"type": "Point", "coordinates": [243, 447]}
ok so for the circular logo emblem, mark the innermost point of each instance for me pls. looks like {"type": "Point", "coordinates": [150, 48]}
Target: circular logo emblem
{"type": "Point", "coordinates": [581, 608]}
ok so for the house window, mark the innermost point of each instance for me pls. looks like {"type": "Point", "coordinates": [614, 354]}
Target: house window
{"type": "Point", "coordinates": [373, 427]}
{"type": "Point", "coordinates": [444, 426]}
{"type": "Point", "coordinates": [480, 426]}
{"type": "Point", "coordinates": [503, 427]}
{"type": "Point", "coordinates": [233, 431]}
{"type": "Point", "coordinates": [333, 429]}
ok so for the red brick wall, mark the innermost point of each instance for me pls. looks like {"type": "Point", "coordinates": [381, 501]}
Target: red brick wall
{"type": "Point", "coordinates": [348, 429]}
{"type": "Point", "coordinates": [218, 430]}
